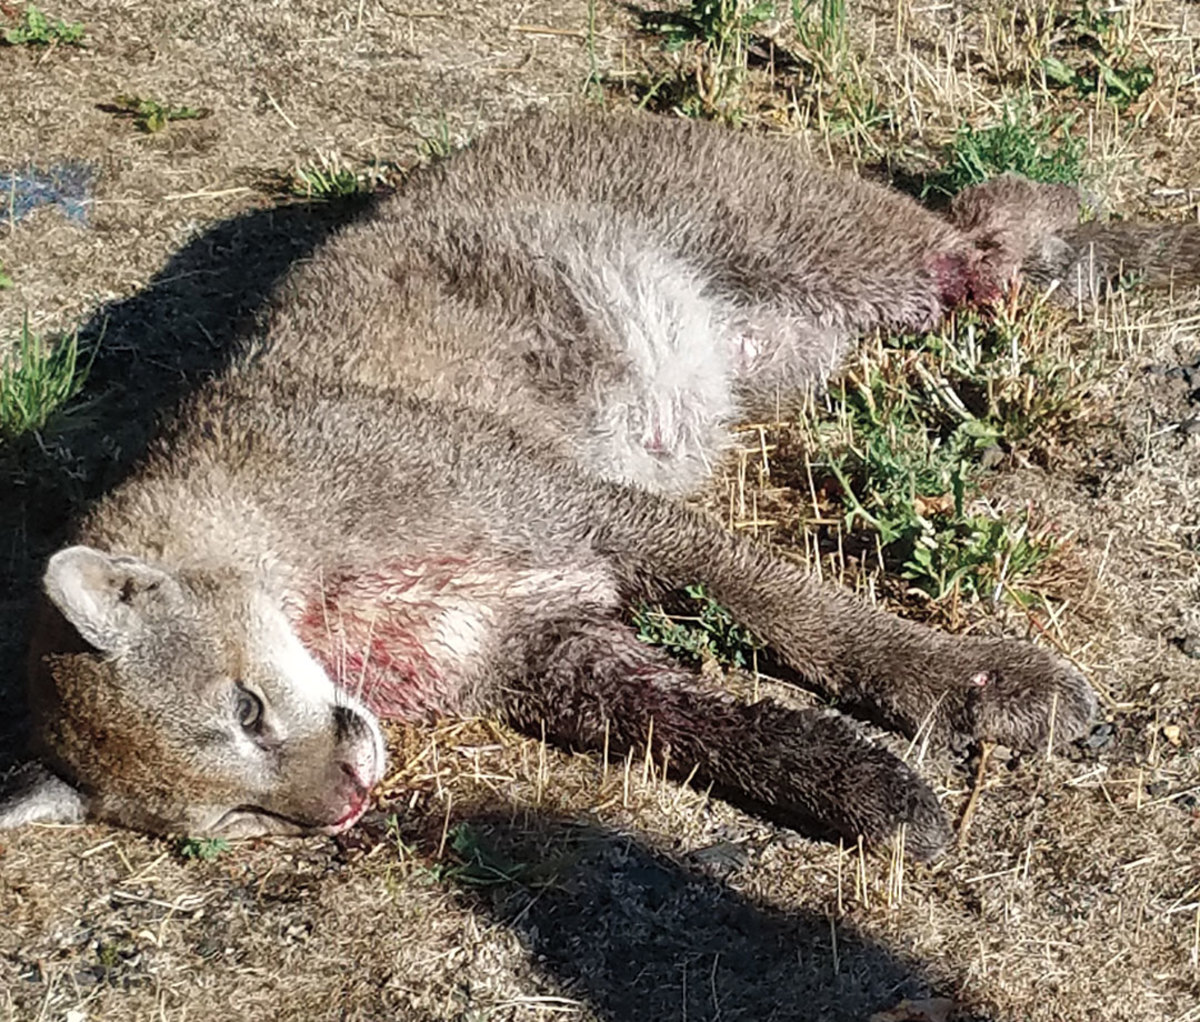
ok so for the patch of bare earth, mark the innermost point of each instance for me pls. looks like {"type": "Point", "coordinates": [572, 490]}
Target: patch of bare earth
{"type": "Point", "coordinates": [505, 880]}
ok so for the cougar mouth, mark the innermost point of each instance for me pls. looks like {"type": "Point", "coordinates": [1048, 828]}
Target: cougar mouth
{"type": "Point", "coordinates": [235, 819]}
{"type": "Point", "coordinates": [350, 819]}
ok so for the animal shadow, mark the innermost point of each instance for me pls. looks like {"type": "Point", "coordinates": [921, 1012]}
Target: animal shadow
{"type": "Point", "coordinates": [639, 936]}
{"type": "Point", "coordinates": [146, 352]}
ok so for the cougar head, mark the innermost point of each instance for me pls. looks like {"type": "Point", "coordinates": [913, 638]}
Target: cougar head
{"type": "Point", "coordinates": [182, 702]}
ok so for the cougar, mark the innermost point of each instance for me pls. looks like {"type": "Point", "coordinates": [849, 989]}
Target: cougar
{"type": "Point", "coordinates": [452, 460]}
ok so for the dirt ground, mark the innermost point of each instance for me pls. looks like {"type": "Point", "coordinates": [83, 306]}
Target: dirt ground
{"type": "Point", "coordinates": [505, 880]}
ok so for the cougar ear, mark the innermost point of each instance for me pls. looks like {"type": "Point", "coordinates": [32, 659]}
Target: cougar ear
{"type": "Point", "coordinates": [32, 794]}
{"type": "Point", "coordinates": [106, 598]}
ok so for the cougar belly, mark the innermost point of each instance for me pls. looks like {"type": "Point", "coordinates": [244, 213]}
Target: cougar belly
{"type": "Point", "coordinates": [413, 639]}
{"type": "Point", "coordinates": [638, 351]}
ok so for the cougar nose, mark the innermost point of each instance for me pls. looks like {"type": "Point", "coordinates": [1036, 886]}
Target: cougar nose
{"type": "Point", "coordinates": [361, 786]}
{"type": "Point", "coordinates": [360, 760]}
{"type": "Point", "coordinates": [348, 723]}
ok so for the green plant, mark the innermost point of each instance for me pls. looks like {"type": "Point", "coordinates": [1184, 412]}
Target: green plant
{"type": "Point", "coordinates": [35, 29]}
{"type": "Point", "coordinates": [1106, 66]}
{"type": "Point", "coordinates": [821, 28]}
{"type": "Point", "coordinates": [6, 280]}
{"type": "Point", "coordinates": [902, 452]}
{"type": "Point", "coordinates": [331, 180]}
{"type": "Point", "coordinates": [978, 556]}
{"type": "Point", "coordinates": [206, 849]}
{"type": "Point", "coordinates": [711, 39]}
{"type": "Point", "coordinates": [152, 116]}
{"type": "Point", "coordinates": [479, 865]}
{"type": "Point", "coordinates": [1038, 147]}
{"type": "Point", "coordinates": [36, 379]}
{"type": "Point", "coordinates": [593, 85]}
{"type": "Point", "coordinates": [437, 143]}
{"type": "Point", "coordinates": [710, 634]}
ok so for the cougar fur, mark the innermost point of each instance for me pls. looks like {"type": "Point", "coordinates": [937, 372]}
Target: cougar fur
{"type": "Point", "coordinates": [452, 462]}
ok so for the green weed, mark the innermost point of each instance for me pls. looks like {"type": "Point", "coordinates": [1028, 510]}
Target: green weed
{"type": "Point", "coordinates": [911, 432]}
{"type": "Point", "coordinates": [1106, 66]}
{"type": "Point", "coordinates": [206, 849]}
{"type": "Point", "coordinates": [820, 26]}
{"type": "Point", "coordinates": [37, 379]}
{"type": "Point", "coordinates": [437, 142]}
{"type": "Point", "coordinates": [329, 180]}
{"type": "Point", "coordinates": [6, 280]}
{"type": "Point", "coordinates": [711, 634]}
{"type": "Point", "coordinates": [476, 864]}
{"type": "Point", "coordinates": [593, 85]}
{"type": "Point", "coordinates": [35, 29]}
{"type": "Point", "coordinates": [710, 39]}
{"type": "Point", "coordinates": [150, 115]}
{"type": "Point", "coordinates": [108, 955]}
{"type": "Point", "coordinates": [1038, 147]}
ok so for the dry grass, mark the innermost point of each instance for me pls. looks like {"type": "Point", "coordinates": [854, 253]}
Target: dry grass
{"type": "Point", "coordinates": [518, 882]}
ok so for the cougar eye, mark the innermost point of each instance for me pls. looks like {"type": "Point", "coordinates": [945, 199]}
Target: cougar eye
{"type": "Point", "coordinates": [248, 709]}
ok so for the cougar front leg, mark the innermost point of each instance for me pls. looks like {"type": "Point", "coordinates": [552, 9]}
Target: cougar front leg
{"type": "Point", "coordinates": [595, 685]}
{"type": "Point", "coordinates": [1001, 689]}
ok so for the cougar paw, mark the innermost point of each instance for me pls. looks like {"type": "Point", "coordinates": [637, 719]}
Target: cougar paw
{"type": "Point", "coordinates": [872, 793]}
{"type": "Point", "coordinates": [1019, 695]}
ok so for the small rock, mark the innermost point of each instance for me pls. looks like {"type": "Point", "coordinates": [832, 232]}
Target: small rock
{"type": "Point", "coordinates": [1189, 646]}
{"type": "Point", "coordinates": [1190, 426]}
{"type": "Point", "coordinates": [1101, 736]}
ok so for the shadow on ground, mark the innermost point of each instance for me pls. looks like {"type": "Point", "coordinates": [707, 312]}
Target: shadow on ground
{"type": "Point", "coordinates": [637, 936]}
{"type": "Point", "coordinates": [148, 351]}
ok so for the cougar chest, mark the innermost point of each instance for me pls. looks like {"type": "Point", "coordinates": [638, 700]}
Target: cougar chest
{"type": "Point", "coordinates": [410, 637]}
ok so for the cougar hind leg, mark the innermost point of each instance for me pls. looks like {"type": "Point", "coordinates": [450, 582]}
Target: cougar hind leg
{"type": "Point", "coordinates": [596, 686]}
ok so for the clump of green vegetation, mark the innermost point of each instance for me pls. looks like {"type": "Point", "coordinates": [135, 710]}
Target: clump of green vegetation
{"type": "Point", "coordinates": [821, 28]}
{"type": "Point", "coordinates": [845, 101]}
{"type": "Point", "coordinates": [205, 849]}
{"type": "Point", "coordinates": [436, 143]}
{"type": "Point", "coordinates": [1040, 148]}
{"type": "Point", "coordinates": [6, 280]}
{"type": "Point", "coordinates": [710, 40]}
{"type": "Point", "coordinates": [329, 180]}
{"type": "Point", "coordinates": [37, 377]}
{"type": "Point", "coordinates": [708, 635]}
{"type": "Point", "coordinates": [152, 116]}
{"type": "Point", "coordinates": [911, 433]}
{"type": "Point", "coordinates": [35, 29]}
{"type": "Point", "coordinates": [317, 183]}
{"type": "Point", "coordinates": [108, 955]}
{"type": "Point", "coordinates": [474, 862]}
{"type": "Point", "coordinates": [1107, 66]}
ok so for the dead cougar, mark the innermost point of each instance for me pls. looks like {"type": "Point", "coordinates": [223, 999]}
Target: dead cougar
{"type": "Point", "coordinates": [438, 483]}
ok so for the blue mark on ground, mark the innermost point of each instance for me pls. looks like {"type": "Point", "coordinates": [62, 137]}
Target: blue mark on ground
{"type": "Point", "coordinates": [67, 185]}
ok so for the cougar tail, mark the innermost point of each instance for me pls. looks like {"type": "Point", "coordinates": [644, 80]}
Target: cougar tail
{"type": "Point", "coordinates": [1030, 230]}
{"type": "Point", "coordinates": [1089, 259]}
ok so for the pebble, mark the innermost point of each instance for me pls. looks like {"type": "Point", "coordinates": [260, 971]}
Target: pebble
{"type": "Point", "coordinates": [1101, 736]}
